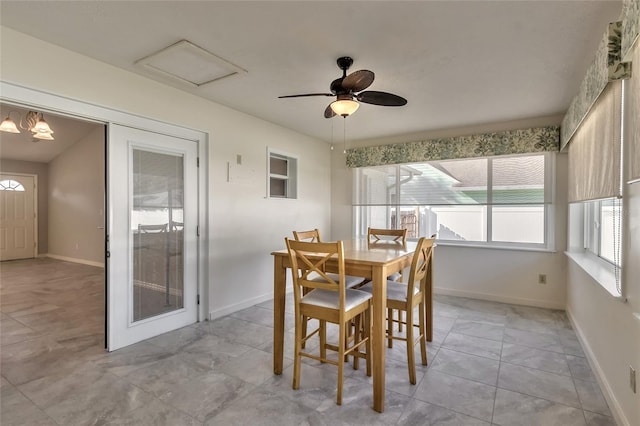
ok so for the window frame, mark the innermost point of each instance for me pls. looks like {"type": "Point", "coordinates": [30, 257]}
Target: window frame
{"type": "Point", "coordinates": [593, 229]}
{"type": "Point", "coordinates": [289, 180]}
{"type": "Point", "coordinates": [604, 272]}
{"type": "Point", "coordinates": [548, 244]}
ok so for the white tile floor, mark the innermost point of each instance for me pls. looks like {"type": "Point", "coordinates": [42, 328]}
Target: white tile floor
{"type": "Point", "coordinates": [489, 363]}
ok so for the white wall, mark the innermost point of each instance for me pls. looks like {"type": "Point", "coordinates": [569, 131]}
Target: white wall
{"type": "Point", "coordinates": [611, 337]}
{"type": "Point", "coordinates": [244, 227]}
{"type": "Point", "coordinates": [76, 201]}
{"type": "Point", "coordinates": [341, 197]}
{"type": "Point", "coordinates": [610, 328]}
{"type": "Point", "coordinates": [247, 226]}
{"type": "Point", "coordinates": [502, 275]}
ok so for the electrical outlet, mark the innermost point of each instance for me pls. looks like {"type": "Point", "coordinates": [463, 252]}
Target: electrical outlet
{"type": "Point", "coordinates": [542, 278]}
{"type": "Point", "coordinates": [632, 379]}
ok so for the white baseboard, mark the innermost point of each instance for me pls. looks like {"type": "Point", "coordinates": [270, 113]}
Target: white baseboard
{"type": "Point", "coordinates": [74, 260]}
{"type": "Point", "coordinates": [229, 309]}
{"type": "Point", "coordinates": [438, 290]}
{"type": "Point", "coordinates": [614, 406]}
{"type": "Point", "coordinates": [499, 298]}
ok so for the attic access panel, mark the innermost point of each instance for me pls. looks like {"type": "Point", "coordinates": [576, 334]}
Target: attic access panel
{"type": "Point", "coordinates": [189, 64]}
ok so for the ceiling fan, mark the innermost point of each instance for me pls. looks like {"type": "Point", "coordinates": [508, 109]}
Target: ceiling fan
{"type": "Point", "coordinates": [345, 88]}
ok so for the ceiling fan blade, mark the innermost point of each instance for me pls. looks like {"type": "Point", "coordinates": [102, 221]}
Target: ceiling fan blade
{"type": "Point", "coordinates": [328, 112]}
{"type": "Point", "coordinates": [306, 94]}
{"type": "Point", "coordinates": [381, 98]}
{"type": "Point", "coordinates": [358, 80]}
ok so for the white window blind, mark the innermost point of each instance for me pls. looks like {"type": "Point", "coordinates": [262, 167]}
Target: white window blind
{"type": "Point", "coordinates": [594, 150]}
{"type": "Point", "coordinates": [514, 180]}
{"type": "Point", "coordinates": [595, 189]}
{"type": "Point", "coordinates": [632, 139]}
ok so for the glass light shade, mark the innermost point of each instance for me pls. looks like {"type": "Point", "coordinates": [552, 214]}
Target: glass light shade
{"type": "Point", "coordinates": [9, 126]}
{"type": "Point", "coordinates": [41, 127]}
{"type": "Point", "coordinates": [344, 107]}
{"type": "Point", "coordinates": [43, 135]}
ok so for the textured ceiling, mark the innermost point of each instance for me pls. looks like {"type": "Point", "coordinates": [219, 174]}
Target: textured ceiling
{"type": "Point", "coordinates": [459, 63]}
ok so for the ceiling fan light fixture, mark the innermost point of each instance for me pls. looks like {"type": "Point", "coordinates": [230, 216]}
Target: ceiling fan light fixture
{"type": "Point", "coordinates": [8, 125]}
{"type": "Point", "coordinates": [345, 107]}
{"type": "Point", "coordinates": [349, 92]}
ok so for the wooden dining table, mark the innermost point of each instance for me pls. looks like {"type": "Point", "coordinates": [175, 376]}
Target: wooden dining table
{"type": "Point", "coordinates": [375, 262]}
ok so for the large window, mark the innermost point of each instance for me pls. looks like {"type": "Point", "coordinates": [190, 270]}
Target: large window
{"type": "Point", "coordinates": [498, 201]}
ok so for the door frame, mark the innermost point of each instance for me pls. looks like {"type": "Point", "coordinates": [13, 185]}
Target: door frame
{"type": "Point", "coordinates": [48, 102]}
{"type": "Point", "coordinates": [35, 206]}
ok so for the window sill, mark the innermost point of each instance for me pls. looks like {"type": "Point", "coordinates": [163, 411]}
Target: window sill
{"type": "Point", "coordinates": [602, 272]}
{"type": "Point", "coordinates": [494, 247]}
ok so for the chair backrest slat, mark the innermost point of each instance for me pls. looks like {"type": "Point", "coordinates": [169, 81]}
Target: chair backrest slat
{"type": "Point", "coordinates": [387, 235]}
{"type": "Point", "coordinates": [311, 236]}
{"type": "Point", "coordinates": [419, 267]}
{"type": "Point", "coordinates": [309, 258]}
{"type": "Point", "coordinates": [152, 229]}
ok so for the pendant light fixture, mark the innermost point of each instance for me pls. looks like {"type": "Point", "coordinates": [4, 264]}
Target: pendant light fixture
{"type": "Point", "coordinates": [8, 125]}
{"type": "Point", "coordinates": [33, 121]}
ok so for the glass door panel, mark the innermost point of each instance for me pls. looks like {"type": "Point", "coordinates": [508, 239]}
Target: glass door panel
{"type": "Point", "coordinates": [157, 227]}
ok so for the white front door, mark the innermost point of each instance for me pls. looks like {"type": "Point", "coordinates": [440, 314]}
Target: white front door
{"type": "Point", "coordinates": [17, 217]}
{"type": "Point", "coordinates": [152, 229]}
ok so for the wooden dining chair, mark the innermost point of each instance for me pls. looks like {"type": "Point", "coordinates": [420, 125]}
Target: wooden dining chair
{"type": "Point", "coordinates": [404, 298]}
{"type": "Point", "coordinates": [387, 236]}
{"type": "Point", "coordinates": [379, 236]}
{"type": "Point", "coordinates": [350, 280]}
{"type": "Point", "coordinates": [314, 236]}
{"type": "Point", "coordinates": [327, 300]}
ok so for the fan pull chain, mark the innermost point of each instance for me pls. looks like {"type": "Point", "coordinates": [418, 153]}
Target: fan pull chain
{"type": "Point", "coordinates": [344, 135]}
{"type": "Point", "coordinates": [331, 135]}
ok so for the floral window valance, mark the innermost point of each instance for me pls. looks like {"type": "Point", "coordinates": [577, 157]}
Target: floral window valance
{"type": "Point", "coordinates": [525, 141]}
{"type": "Point", "coordinates": [611, 63]}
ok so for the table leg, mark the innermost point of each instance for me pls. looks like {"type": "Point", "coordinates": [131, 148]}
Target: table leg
{"type": "Point", "coordinates": [378, 341]}
{"type": "Point", "coordinates": [279, 290]}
